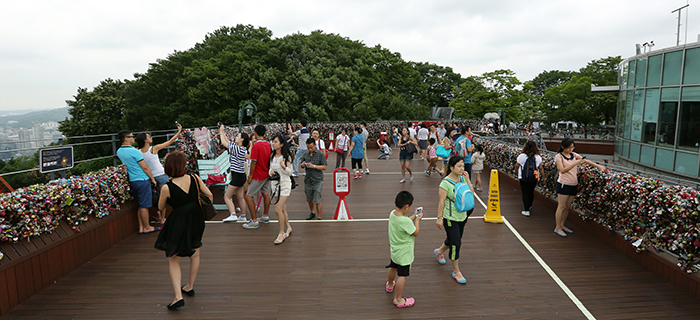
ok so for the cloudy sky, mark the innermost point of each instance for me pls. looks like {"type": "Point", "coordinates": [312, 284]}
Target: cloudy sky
{"type": "Point", "coordinates": [50, 48]}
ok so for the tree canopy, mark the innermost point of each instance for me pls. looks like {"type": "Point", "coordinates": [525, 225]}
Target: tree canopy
{"type": "Point", "coordinates": [324, 77]}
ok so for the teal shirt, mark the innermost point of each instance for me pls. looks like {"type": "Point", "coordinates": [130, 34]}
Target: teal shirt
{"type": "Point", "coordinates": [455, 215]}
{"type": "Point", "coordinates": [131, 156]}
{"type": "Point", "coordinates": [401, 239]}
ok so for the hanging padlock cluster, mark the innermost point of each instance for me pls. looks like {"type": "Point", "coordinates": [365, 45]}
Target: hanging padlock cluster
{"type": "Point", "coordinates": [38, 209]}
{"type": "Point", "coordinates": [646, 211]}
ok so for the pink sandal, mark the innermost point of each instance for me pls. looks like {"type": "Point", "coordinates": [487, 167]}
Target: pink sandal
{"type": "Point", "coordinates": [390, 289]}
{"type": "Point", "coordinates": [408, 303]}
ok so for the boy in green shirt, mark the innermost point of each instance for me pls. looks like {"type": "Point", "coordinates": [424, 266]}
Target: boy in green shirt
{"type": "Point", "coordinates": [402, 233]}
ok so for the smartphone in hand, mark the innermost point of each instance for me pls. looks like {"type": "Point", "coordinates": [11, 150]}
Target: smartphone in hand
{"type": "Point", "coordinates": [419, 211]}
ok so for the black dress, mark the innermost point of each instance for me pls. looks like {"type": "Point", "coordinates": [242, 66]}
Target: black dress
{"type": "Point", "coordinates": [182, 231]}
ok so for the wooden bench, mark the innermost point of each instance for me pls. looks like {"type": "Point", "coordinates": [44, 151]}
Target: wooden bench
{"type": "Point", "coordinates": [220, 165]}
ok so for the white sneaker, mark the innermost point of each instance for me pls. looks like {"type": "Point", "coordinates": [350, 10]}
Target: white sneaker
{"type": "Point", "coordinates": [525, 213]}
{"type": "Point", "coordinates": [241, 218]}
{"type": "Point", "coordinates": [251, 225]}
{"type": "Point", "coordinates": [367, 171]}
{"type": "Point", "coordinates": [232, 218]}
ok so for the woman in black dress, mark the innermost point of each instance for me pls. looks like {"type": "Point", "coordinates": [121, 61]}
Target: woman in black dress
{"type": "Point", "coordinates": [181, 235]}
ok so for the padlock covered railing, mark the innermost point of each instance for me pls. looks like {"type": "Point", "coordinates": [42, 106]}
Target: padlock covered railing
{"type": "Point", "coordinates": [648, 213]}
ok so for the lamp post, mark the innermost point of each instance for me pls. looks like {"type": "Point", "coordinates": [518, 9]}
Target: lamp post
{"type": "Point", "coordinates": [249, 107]}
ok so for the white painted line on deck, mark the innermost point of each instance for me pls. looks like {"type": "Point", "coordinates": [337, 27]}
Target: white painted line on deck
{"type": "Point", "coordinates": [546, 267]}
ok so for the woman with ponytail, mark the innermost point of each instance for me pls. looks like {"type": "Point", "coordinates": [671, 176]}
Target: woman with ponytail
{"type": "Point", "coordinates": [567, 184]}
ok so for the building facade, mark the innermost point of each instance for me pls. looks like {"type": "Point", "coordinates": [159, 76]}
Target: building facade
{"type": "Point", "coordinates": [658, 113]}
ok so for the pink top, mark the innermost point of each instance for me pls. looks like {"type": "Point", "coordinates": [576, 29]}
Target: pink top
{"type": "Point", "coordinates": [568, 178]}
{"type": "Point", "coordinates": [432, 152]}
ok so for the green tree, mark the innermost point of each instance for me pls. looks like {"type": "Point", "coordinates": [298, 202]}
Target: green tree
{"type": "Point", "coordinates": [490, 92]}
{"type": "Point", "coordinates": [100, 111]}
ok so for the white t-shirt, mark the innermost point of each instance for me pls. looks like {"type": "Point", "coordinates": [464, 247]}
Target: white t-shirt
{"type": "Point", "coordinates": [423, 134]}
{"type": "Point", "coordinates": [386, 148]}
{"type": "Point", "coordinates": [343, 141]}
{"type": "Point", "coordinates": [521, 160]}
{"type": "Point", "coordinates": [412, 132]}
{"type": "Point", "coordinates": [441, 132]}
{"type": "Point", "coordinates": [320, 145]}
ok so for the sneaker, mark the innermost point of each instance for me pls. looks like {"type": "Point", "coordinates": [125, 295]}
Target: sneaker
{"type": "Point", "coordinates": [567, 230]}
{"type": "Point", "coordinates": [402, 181]}
{"type": "Point", "coordinates": [440, 258]}
{"type": "Point", "coordinates": [411, 177]}
{"type": "Point", "coordinates": [428, 173]}
{"type": "Point", "coordinates": [311, 216]}
{"type": "Point", "coordinates": [559, 232]}
{"type": "Point", "coordinates": [241, 218]}
{"type": "Point", "coordinates": [354, 176]}
{"type": "Point", "coordinates": [251, 225]}
{"type": "Point", "coordinates": [232, 218]}
{"type": "Point", "coordinates": [264, 219]}
{"type": "Point", "coordinates": [525, 213]}
{"type": "Point", "coordinates": [295, 175]}
{"type": "Point", "coordinates": [359, 176]}
{"type": "Point", "coordinates": [366, 171]}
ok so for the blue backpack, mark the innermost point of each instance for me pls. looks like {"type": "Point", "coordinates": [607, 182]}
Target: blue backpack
{"type": "Point", "coordinates": [464, 198]}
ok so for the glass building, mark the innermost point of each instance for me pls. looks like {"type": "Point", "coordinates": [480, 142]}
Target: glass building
{"type": "Point", "coordinates": [658, 112]}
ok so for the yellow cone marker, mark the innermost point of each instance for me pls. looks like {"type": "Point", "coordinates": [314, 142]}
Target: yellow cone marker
{"type": "Point", "coordinates": [493, 212]}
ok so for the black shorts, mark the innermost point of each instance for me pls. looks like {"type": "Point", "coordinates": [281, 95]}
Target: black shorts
{"type": "Point", "coordinates": [402, 271]}
{"type": "Point", "coordinates": [356, 163]}
{"type": "Point", "coordinates": [566, 189]}
{"type": "Point", "coordinates": [237, 179]}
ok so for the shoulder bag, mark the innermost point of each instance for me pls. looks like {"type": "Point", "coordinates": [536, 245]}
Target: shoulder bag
{"type": "Point", "coordinates": [205, 203]}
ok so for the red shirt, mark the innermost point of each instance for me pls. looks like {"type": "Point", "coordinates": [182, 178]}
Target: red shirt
{"type": "Point", "coordinates": [261, 155]}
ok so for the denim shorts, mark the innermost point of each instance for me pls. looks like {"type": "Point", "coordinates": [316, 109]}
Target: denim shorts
{"type": "Point", "coordinates": [142, 192]}
{"type": "Point", "coordinates": [162, 180]}
{"type": "Point", "coordinates": [405, 156]}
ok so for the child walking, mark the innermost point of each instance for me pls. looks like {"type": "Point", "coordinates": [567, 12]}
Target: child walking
{"type": "Point", "coordinates": [432, 158]}
{"type": "Point", "coordinates": [402, 232]}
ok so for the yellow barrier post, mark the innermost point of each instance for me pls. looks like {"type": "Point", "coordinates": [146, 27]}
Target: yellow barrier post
{"type": "Point", "coordinates": [493, 213]}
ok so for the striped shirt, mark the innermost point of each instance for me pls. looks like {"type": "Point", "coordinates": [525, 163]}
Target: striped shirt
{"type": "Point", "coordinates": [237, 155]}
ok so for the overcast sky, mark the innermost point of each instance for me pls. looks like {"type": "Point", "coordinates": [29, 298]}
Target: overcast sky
{"type": "Point", "coordinates": [50, 48]}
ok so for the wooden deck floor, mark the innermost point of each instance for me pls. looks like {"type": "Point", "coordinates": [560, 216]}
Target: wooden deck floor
{"type": "Point", "coordinates": [336, 269]}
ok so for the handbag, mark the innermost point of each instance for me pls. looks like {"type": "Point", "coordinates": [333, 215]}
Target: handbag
{"type": "Point", "coordinates": [205, 203]}
{"type": "Point", "coordinates": [411, 148]}
{"type": "Point", "coordinates": [339, 150]}
{"type": "Point", "coordinates": [215, 179]}
{"type": "Point", "coordinates": [442, 152]}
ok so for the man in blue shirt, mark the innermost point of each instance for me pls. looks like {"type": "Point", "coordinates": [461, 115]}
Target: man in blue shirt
{"type": "Point", "coordinates": [357, 153]}
{"type": "Point", "coordinates": [139, 176]}
{"type": "Point", "coordinates": [464, 149]}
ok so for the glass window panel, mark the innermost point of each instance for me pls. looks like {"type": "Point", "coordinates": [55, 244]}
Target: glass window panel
{"type": "Point", "coordinates": [625, 71]}
{"type": "Point", "coordinates": [630, 73]}
{"type": "Point", "coordinates": [654, 71]}
{"type": "Point", "coordinates": [691, 67]}
{"type": "Point", "coordinates": [634, 152]}
{"type": "Point", "coordinates": [666, 132]}
{"type": "Point", "coordinates": [625, 149]}
{"type": "Point", "coordinates": [664, 159]}
{"type": "Point", "coordinates": [647, 155]}
{"type": "Point", "coordinates": [618, 147]}
{"type": "Point", "coordinates": [641, 72]}
{"type": "Point", "coordinates": [689, 124]}
{"type": "Point", "coordinates": [672, 68]}
{"type": "Point", "coordinates": [637, 113]}
{"type": "Point", "coordinates": [686, 163]}
{"type": "Point", "coordinates": [651, 114]}
{"type": "Point", "coordinates": [621, 113]}
{"type": "Point", "coordinates": [628, 113]}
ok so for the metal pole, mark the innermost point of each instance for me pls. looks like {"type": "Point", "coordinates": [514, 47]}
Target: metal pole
{"type": "Point", "coordinates": [63, 172]}
{"type": "Point", "coordinates": [114, 150]}
{"type": "Point", "coordinates": [678, 32]}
